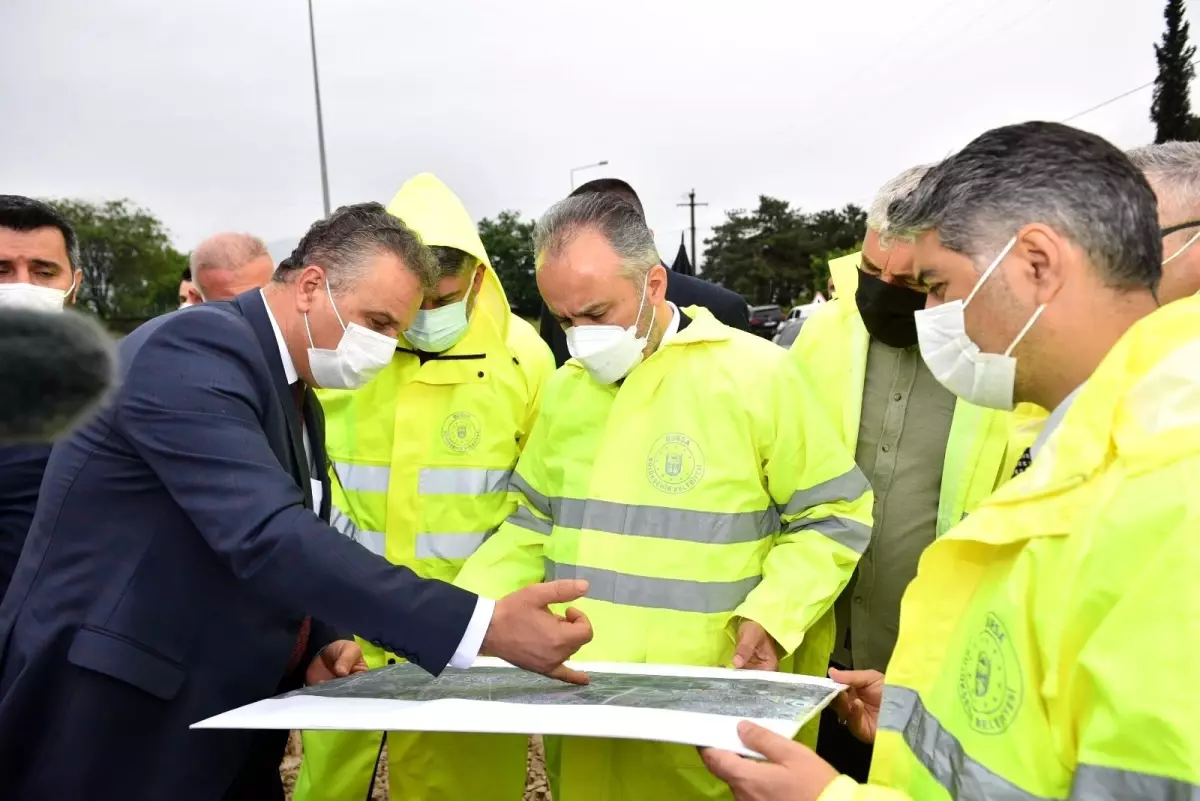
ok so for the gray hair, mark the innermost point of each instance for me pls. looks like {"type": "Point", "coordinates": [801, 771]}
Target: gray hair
{"type": "Point", "coordinates": [452, 262]}
{"type": "Point", "coordinates": [898, 188]}
{"type": "Point", "coordinates": [1072, 181]}
{"type": "Point", "coordinates": [617, 220]}
{"type": "Point", "coordinates": [343, 242]}
{"type": "Point", "coordinates": [1173, 170]}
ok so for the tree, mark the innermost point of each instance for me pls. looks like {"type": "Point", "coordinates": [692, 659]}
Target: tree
{"type": "Point", "coordinates": [509, 243]}
{"type": "Point", "coordinates": [1171, 110]}
{"type": "Point", "coordinates": [130, 270]}
{"type": "Point", "coordinates": [778, 254]}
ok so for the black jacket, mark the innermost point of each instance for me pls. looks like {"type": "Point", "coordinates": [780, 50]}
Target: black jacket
{"type": "Point", "coordinates": [683, 290]}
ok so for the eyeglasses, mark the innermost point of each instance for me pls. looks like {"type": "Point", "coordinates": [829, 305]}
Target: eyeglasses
{"type": "Point", "coordinates": [1180, 227]}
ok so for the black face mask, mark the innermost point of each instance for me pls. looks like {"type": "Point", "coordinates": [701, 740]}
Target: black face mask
{"type": "Point", "coordinates": [887, 310]}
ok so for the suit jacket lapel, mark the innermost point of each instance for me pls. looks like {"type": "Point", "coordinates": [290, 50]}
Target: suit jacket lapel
{"type": "Point", "coordinates": [254, 309]}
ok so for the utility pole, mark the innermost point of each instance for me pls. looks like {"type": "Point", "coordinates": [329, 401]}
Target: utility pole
{"type": "Point", "coordinates": [692, 204]}
{"type": "Point", "coordinates": [312, 35]}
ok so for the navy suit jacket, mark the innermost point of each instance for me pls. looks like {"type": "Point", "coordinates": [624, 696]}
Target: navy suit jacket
{"type": "Point", "coordinates": [21, 468]}
{"type": "Point", "coordinates": [171, 560]}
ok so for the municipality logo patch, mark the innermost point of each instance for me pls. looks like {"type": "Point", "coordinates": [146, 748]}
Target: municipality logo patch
{"type": "Point", "coordinates": [461, 432]}
{"type": "Point", "coordinates": [675, 464]}
{"type": "Point", "coordinates": [990, 686]}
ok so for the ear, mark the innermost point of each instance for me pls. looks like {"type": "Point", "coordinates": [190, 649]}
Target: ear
{"type": "Point", "coordinates": [74, 296]}
{"type": "Point", "coordinates": [656, 289]}
{"type": "Point", "coordinates": [1048, 257]}
{"type": "Point", "coordinates": [309, 282]}
{"type": "Point", "coordinates": [477, 282]}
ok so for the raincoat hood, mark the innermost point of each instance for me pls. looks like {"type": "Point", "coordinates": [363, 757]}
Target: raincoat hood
{"type": "Point", "coordinates": [427, 206]}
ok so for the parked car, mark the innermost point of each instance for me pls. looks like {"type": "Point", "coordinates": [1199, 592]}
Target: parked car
{"type": "Point", "coordinates": [765, 319]}
{"type": "Point", "coordinates": [789, 329]}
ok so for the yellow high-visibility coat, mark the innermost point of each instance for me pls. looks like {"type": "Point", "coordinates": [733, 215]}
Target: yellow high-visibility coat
{"type": "Point", "coordinates": [706, 488]}
{"type": "Point", "coordinates": [1049, 644]}
{"type": "Point", "coordinates": [420, 463]}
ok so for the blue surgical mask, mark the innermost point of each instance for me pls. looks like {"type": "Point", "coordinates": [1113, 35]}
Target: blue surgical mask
{"type": "Point", "coordinates": [438, 330]}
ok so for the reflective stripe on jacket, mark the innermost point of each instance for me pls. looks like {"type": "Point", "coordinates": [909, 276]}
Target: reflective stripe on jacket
{"type": "Point", "coordinates": [1048, 645]}
{"type": "Point", "coordinates": [704, 489]}
{"type": "Point", "coordinates": [421, 459]}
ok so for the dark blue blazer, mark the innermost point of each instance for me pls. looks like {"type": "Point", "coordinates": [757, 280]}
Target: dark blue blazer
{"type": "Point", "coordinates": [21, 468]}
{"type": "Point", "coordinates": [171, 560]}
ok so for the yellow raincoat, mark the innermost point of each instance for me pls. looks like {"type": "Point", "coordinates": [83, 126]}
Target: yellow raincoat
{"type": "Point", "coordinates": [1049, 644]}
{"type": "Point", "coordinates": [704, 489]}
{"type": "Point", "coordinates": [421, 459]}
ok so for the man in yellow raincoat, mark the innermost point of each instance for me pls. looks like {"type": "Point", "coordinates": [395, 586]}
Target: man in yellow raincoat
{"type": "Point", "coordinates": [421, 459]}
{"type": "Point", "coordinates": [1048, 644]}
{"type": "Point", "coordinates": [930, 457]}
{"type": "Point", "coordinates": [685, 470]}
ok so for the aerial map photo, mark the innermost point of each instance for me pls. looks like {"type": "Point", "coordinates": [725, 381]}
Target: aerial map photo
{"type": "Point", "coordinates": [754, 698]}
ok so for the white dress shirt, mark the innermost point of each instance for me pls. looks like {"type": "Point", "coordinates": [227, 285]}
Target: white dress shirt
{"type": "Point", "coordinates": [1053, 421]}
{"type": "Point", "coordinates": [673, 326]}
{"type": "Point", "coordinates": [481, 618]}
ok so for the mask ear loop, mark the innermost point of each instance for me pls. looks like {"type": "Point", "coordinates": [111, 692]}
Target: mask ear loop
{"type": "Point", "coordinates": [1179, 252]}
{"type": "Point", "coordinates": [991, 269]}
{"type": "Point", "coordinates": [1025, 330]}
{"type": "Point", "coordinates": [336, 313]}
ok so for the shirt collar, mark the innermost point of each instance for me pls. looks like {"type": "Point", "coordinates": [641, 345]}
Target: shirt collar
{"type": "Point", "coordinates": [1053, 421]}
{"type": "Point", "coordinates": [673, 326]}
{"type": "Point", "coordinates": [289, 367]}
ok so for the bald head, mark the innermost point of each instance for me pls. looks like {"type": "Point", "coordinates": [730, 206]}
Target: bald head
{"type": "Point", "coordinates": [226, 265]}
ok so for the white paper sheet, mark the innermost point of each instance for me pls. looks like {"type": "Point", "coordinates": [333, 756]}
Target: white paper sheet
{"type": "Point", "coordinates": [785, 701]}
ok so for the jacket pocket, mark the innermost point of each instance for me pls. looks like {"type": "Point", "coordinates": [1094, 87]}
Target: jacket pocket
{"type": "Point", "coordinates": [114, 656]}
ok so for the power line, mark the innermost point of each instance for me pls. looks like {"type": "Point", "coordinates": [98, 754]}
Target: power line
{"type": "Point", "coordinates": [1099, 106]}
{"type": "Point", "coordinates": [1121, 96]}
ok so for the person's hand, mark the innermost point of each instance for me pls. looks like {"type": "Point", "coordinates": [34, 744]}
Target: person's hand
{"type": "Point", "coordinates": [338, 659]}
{"type": "Point", "coordinates": [525, 633]}
{"type": "Point", "coordinates": [755, 648]}
{"type": "Point", "coordinates": [858, 706]}
{"type": "Point", "coordinates": [793, 772]}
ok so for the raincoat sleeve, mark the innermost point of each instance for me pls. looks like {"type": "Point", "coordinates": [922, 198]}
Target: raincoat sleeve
{"type": "Point", "coordinates": [824, 503]}
{"type": "Point", "coordinates": [536, 362]}
{"type": "Point", "coordinates": [843, 788]}
{"type": "Point", "coordinates": [511, 558]}
{"type": "Point", "coordinates": [1129, 665]}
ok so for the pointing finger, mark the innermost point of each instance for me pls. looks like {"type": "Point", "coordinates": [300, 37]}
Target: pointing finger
{"type": "Point", "coordinates": [569, 675]}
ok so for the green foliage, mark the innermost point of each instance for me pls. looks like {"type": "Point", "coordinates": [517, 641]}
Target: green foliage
{"type": "Point", "coordinates": [509, 243]}
{"type": "Point", "coordinates": [130, 270]}
{"type": "Point", "coordinates": [778, 254]}
{"type": "Point", "coordinates": [1171, 110]}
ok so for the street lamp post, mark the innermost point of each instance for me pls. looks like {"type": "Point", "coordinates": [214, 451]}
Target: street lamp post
{"type": "Point", "coordinates": [312, 35]}
{"type": "Point", "coordinates": [585, 167]}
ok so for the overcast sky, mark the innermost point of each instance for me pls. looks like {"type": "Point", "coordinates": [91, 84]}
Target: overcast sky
{"type": "Point", "coordinates": [202, 110]}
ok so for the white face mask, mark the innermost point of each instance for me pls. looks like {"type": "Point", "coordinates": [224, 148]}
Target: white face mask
{"type": "Point", "coordinates": [359, 357]}
{"type": "Point", "coordinates": [33, 297]}
{"type": "Point", "coordinates": [438, 330]}
{"type": "Point", "coordinates": [609, 352]}
{"type": "Point", "coordinates": [984, 379]}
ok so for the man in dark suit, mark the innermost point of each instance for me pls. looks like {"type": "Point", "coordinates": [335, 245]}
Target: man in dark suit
{"type": "Point", "coordinates": [180, 544]}
{"type": "Point", "coordinates": [683, 290]}
{"type": "Point", "coordinates": [39, 270]}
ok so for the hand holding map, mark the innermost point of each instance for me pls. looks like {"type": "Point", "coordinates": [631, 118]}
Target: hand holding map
{"type": "Point", "coordinates": [524, 632]}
